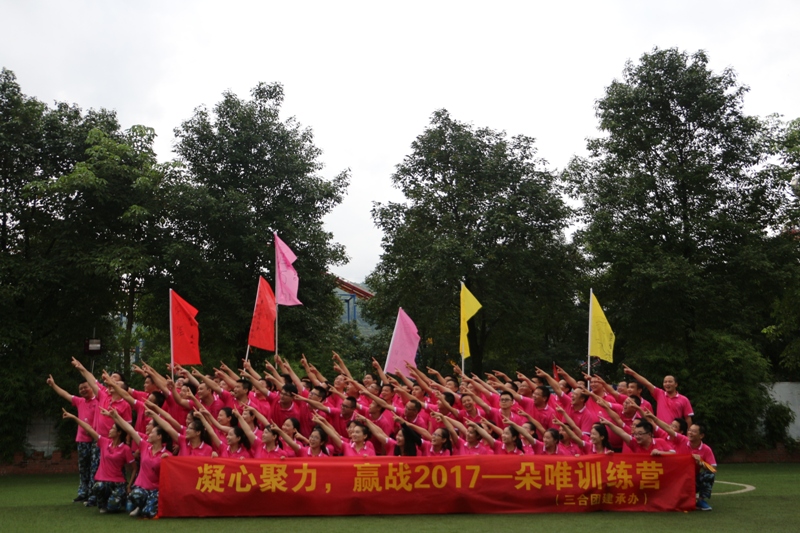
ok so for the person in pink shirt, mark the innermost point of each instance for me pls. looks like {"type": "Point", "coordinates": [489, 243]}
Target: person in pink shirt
{"type": "Point", "coordinates": [284, 407]}
{"type": "Point", "coordinates": [406, 443]}
{"type": "Point", "coordinates": [670, 404]}
{"type": "Point", "coordinates": [86, 403]}
{"type": "Point", "coordinates": [510, 442]}
{"type": "Point", "coordinates": [194, 442]}
{"type": "Point", "coordinates": [105, 399]}
{"type": "Point", "coordinates": [109, 487]}
{"type": "Point", "coordinates": [552, 445]}
{"type": "Point", "coordinates": [705, 467]}
{"type": "Point", "coordinates": [238, 442]}
{"type": "Point", "coordinates": [506, 409]}
{"type": "Point", "coordinates": [271, 445]}
{"type": "Point", "coordinates": [143, 497]}
{"type": "Point", "coordinates": [596, 443]}
{"type": "Point", "coordinates": [317, 442]}
{"type": "Point", "coordinates": [440, 444]}
{"type": "Point", "coordinates": [358, 445]}
{"type": "Point", "coordinates": [642, 440]}
{"type": "Point", "coordinates": [339, 417]}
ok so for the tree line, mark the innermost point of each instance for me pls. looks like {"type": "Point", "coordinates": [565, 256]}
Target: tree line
{"type": "Point", "coordinates": [683, 220]}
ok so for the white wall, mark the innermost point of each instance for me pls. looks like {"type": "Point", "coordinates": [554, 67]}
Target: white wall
{"type": "Point", "coordinates": [789, 393]}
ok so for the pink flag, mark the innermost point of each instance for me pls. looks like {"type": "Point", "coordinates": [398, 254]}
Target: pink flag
{"type": "Point", "coordinates": [403, 347]}
{"type": "Point", "coordinates": [286, 280]}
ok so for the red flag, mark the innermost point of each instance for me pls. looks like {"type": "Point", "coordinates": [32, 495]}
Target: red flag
{"type": "Point", "coordinates": [286, 279]}
{"type": "Point", "coordinates": [184, 335]}
{"type": "Point", "coordinates": [262, 328]}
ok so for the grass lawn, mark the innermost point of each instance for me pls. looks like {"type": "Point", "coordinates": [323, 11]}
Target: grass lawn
{"type": "Point", "coordinates": [33, 504]}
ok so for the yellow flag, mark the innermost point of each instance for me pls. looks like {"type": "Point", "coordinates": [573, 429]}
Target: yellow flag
{"type": "Point", "coordinates": [601, 338]}
{"type": "Point", "coordinates": [469, 306]}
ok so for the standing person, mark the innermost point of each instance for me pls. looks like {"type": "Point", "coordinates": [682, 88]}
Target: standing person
{"type": "Point", "coordinates": [86, 403]}
{"type": "Point", "coordinates": [670, 404]}
{"type": "Point", "coordinates": [705, 466]}
{"type": "Point", "coordinates": [109, 487]}
{"type": "Point", "coordinates": [143, 498]}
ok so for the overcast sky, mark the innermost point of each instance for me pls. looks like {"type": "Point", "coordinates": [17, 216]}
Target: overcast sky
{"type": "Point", "coordinates": [366, 76]}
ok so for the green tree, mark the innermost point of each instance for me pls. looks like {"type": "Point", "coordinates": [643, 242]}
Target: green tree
{"type": "Point", "coordinates": [50, 300]}
{"type": "Point", "coordinates": [481, 208]}
{"type": "Point", "coordinates": [115, 201]}
{"type": "Point", "coordinates": [247, 173]}
{"type": "Point", "coordinates": [684, 216]}
{"type": "Point", "coordinates": [784, 332]}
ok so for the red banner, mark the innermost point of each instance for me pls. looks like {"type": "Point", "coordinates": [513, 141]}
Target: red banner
{"type": "Point", "coordinates": [194, 486]}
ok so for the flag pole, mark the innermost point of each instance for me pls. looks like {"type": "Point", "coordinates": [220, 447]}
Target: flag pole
{"type": "Point", "coordinates": [589, 347]}
{"type": "Point", "coordinates": [171, 346]}
{"type": "Point", "coordinates": [277, 288]}
{"type": "Point", "coordinates": [460, 311]}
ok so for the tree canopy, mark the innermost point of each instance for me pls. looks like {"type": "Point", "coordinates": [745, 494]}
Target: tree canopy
{"type": "Point", "coordinates": [483, 209]}
{"type": "Point", "coordinates": [685, 217]}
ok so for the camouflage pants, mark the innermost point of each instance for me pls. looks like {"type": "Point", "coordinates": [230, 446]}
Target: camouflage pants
{"type": "Point", "coordinates": [110, 495]}
{"type": "Point", "coordinates": [145, 500]}
{"type": "Point", "coordinates": [703, 483]}
{"type": "Point", "coordinates": [85, 468]}
{"type": "Point", "coordinates": [93, 466]}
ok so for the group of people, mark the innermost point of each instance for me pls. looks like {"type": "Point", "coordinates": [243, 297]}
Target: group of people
{"type": "Point", "coordinates": [123, 434]}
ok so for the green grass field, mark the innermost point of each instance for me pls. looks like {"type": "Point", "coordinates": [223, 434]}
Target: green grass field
{"type": "Point", "coordinates": [33, 504]}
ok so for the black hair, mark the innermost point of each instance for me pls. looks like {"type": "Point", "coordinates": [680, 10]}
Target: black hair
{"type": "Point", "coordinates": [411, 441]}
{"type": "Point", "coordinates": [603, 431]}
{"type": "Point", "coordinates": [246, 384]}
{"type": "Point", "coordinates": [545, 391]}
{"type": "Point", "coordinates": [365, 430]}
{"type": "Point", "coordinates": [448, 444]}
{"type": "Point", "coordinates": [323, 439]}
{"type": "Point", "coordinates": [243, 440]}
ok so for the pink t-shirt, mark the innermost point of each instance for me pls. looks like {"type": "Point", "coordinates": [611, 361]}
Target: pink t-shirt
{"type": "Point", "coordinates": [298, 410]}
{"type": "Point", "coordinates": [141, 419]}
{"type": "Point", "coordinates": [103, 423]}
{"type": "Point", "coordinates": [306, 451]}
{"type": "Point", "coordinates": [149, 465]}
{"type": "Point", "coordinates": [561, 450]}
{"type": "Point", "coordinates": [658, 444]}
{"type": "Point", "coordinates": [336, 419]}
{"type": "Point", "coordinates": [668, 409]}
{"type": "Point", "coordinates": [683, 446]}
{"type": "Point", "coordinates": [480, 448]}
{"type": "Point", "coordinates": [463, 415]}
{"type": "Point", "coordinates": [349, 450]}
{"type": "Point", "coordinates": [428, 451]}
{"type": "Point", "coordinates": [277, 453]}
{"type": "Point", "coordinates": [495, 416]}
{"type": "Point", "coordinates": [87, 411]}
{"type": "Point", "coordinates": [241, 453]}
{"type": "Point", "coordinates": [185, 449]}
{"type": "Point", "coordinates": [112, 460]}
{"type": "Point", "coordinates": [500, 449]}
{"type": "Point", "coordinates": [175, 410]}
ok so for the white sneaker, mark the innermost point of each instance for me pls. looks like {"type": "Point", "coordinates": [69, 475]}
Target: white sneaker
{"type": "Point", "coordinates": [135, 512]}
